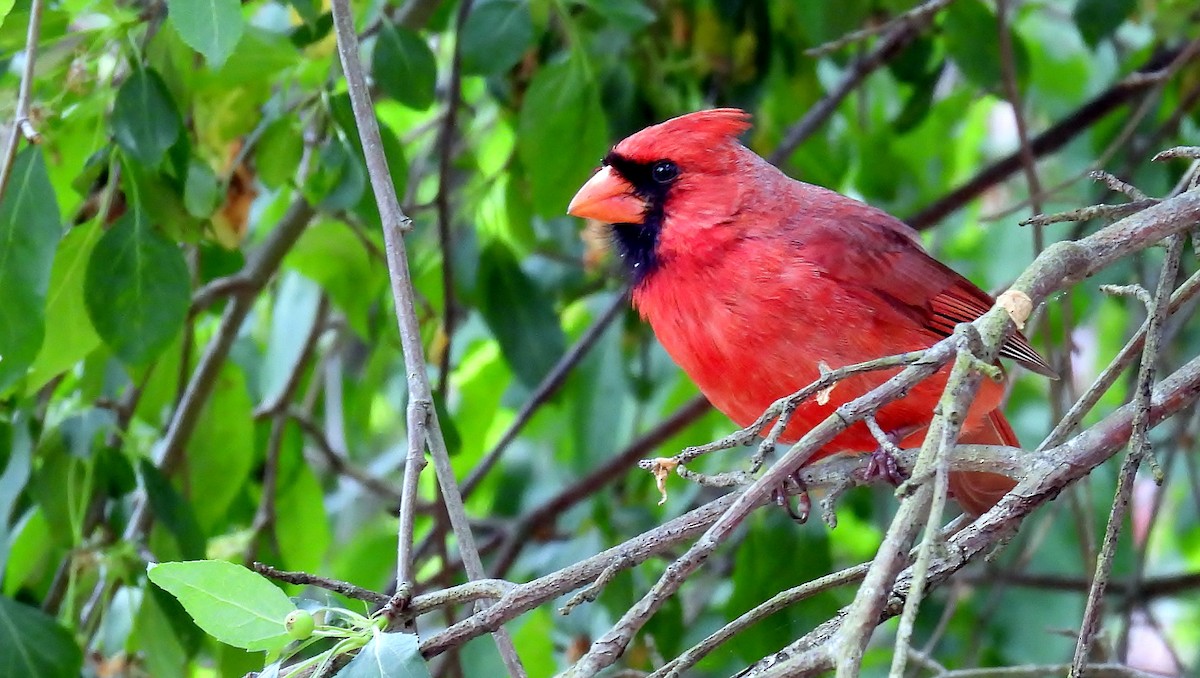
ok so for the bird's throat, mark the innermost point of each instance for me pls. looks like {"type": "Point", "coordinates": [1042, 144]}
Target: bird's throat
{"type": "Point", "coordinates": [637, 244]}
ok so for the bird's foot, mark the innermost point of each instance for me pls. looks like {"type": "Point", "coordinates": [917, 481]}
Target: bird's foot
{"type": "Point", "coordinates": [782, 496]}
{"type": "Point", "coordinates": [882, 464]}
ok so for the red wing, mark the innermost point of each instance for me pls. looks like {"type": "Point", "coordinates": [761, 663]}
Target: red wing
{"type": "Point", "coordinates": [902, 273]}
{"type": "Point", "coordinates": [963, 302]}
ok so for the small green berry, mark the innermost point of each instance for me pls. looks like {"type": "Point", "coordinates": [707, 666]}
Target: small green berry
{"type": "Point", "coordinates": [299, 624]}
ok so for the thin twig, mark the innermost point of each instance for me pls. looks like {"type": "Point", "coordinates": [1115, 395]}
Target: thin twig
{"type": "Point", "coordinates": [395, 223]}
{"type": "Point", "coordinates": [1053, 138]}
{"type": "Point", "coordinates": [21, 126]}
{"type": "Point", "coordinates": [442, 199]}
{"type": "Point", "coordinates": [782, 600]}
{"type": "Point", "coordinates": [889, 46]}
{"type": "Point", "coordinates": [1139, 448]}
{"type": "Point", "coordinates": [916, 15]}
{"type": "Point", "coordinates": [337, 462]}
{"type": "Point", "coordinates": [305, 579]}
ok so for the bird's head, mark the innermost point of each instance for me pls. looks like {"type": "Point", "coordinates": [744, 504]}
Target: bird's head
{"type": "Point", "coordinates": [684, 169]}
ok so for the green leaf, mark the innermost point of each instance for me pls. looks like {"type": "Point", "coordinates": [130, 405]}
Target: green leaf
{"type": "Point", "coordinates": [145, 121]}
{"type": "Point", "coordinates": [201, 191]}
{"type": "Point", "coordinates": [29, 231]}
{"type": "Point", "coordinates": [12, 482]}
{"type": "Point", "coordinates": [138, 289]}
{"type": "Point", "coordinates": [331, 254]}
{"type": "Point", "coordinates": [387, 655]}
{"type": "Point", "coordinates": [211, 27]}
{"type": "Point", "coordinates": [404, 66]}
{"type": "Point", "coordinates": [628, 14]}
{"type": "Point", "coordinates": [172, 510]}
{"type": "Point", "coordinates": [278, 153]}
{"type": "Point", "coordinates": [1098, 19]}
{"type": "Point", "coordinates": [973, 41]}
{"type": "Point", "coordinates": [561, 110]}
{"type": "Point", "coordinates": [292, 319]}
{"type": "Point", "coordinates": [35, 645]}
{"type": "Point", "coordinates": [222, 447]}
{"type": "Point", "coordinates": [73, 336]}
{"type": "Point", "coordinates": [519, 315]}
{"type": "Point", "coordinates": [232, 604]}
{"type": "Point", "coordinates": [495, 36]}
{"type": "Point", "coordinates": [340, 180]}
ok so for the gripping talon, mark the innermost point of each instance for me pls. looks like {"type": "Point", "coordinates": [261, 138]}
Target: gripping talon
{"type": "Point", "coordinates": [781, 497]}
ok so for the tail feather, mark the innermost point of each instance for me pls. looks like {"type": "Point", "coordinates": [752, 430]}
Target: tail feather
{"type": "Point", "coordinates": [977, 491]}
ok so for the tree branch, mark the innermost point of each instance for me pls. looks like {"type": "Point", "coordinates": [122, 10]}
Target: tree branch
{"type": "Point", "coordinates": [395, 222]}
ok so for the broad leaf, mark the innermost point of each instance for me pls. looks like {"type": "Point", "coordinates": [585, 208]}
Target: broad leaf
{"type": "Point", "coordinates": [1098, 19]}
{"type": "Point", "coordinates": [35, 645]}
{"type": "Point", "coordinates": [404, 66]}
{"type": "Point", "coordinates": [495, 36]}
{"type": "Point", "coordinates": [232, 604]}
{"type": "Point", "coordinates": [973, 41]}
{"type": "Point", "coordinates": [519, 315]}
{"type": "Point", "coordinates": [138, 289]}
{"type": "Point", "coordinates": [211, 27]}
{"type": "Point", "coordinates": [73, 336]}
{"type": "Point", "coordinates": [145, 121]}
{"type": "Point", "coordinates": [222, 447]}
{"type": "Point", "coordinates": [388, 655]}
{"type": "Point", "coordinates": [29, 231]}
{"type": "Point", "coordinates": [561, 111]}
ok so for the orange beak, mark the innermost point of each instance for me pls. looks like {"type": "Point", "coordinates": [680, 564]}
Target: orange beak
{"type": "Point", "coordinates": [609, 198]}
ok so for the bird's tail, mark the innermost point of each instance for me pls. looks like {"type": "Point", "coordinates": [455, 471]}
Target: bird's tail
{"type": "Point", "coordinates": [977, 491]}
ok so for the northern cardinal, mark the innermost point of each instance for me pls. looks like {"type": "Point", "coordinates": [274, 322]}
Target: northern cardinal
{"type": "Point", "coordinates": [751, 279]}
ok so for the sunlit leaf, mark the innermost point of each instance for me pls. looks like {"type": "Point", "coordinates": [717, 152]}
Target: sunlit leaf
{"type": "Point", "coordinates": [388, 655]}
{"type": "Point", "coordinates": [211, 27]}
{"type": "Point", "coordinates": [73, 336]}
{"type": "Point", "coordinates": [232, 604]}
{"type": "Point", "coordinates": [561, 110]}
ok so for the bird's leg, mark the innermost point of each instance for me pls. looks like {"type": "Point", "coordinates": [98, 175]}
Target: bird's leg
{"type": "Point", "coordinates": [782, 497]}
{"type": "Point", "coordinates": [882, 463]}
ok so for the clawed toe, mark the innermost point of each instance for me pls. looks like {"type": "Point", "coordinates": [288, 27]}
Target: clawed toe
{"type": "Point", "coordinates": [882, 464]}
{"type": "Point", "coordinates": [782, 497]}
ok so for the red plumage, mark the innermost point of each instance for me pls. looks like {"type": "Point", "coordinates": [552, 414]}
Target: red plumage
{"type": "Point", "coordinates": [751, 279]}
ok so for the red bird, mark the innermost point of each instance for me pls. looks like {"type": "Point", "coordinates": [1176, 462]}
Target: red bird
{"type": "Point", "coordinates": [751, 279]}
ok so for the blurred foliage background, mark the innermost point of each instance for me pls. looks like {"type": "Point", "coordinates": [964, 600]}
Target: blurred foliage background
{"type": "Point", "coordinates": [195, 305]}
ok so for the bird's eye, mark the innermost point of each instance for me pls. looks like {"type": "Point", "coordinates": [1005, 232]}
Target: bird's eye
{"type": "Point", "coordinates": [664, 171]}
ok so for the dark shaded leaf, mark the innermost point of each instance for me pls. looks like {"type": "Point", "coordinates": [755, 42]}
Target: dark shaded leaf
{"type": "Point", "coordinates": [519, 315]}
{"type": "Point", "coordinates": [29, 232]}
{"type": "Point", "coordinates": [145, 121]}
{"type": "Point", "coordinates": [972, 39]}
{"type": "Point", "coordinates": [138, 289]}
{"type": "Point", "coordinates": [35, 645]}
{"type": "Point", "coordinates": [1098, 19]}
{"type": "Point", "coordinates": [495, 36]}
{"type": "Point", "coordinates": [172, 510]}
{"type": "Point", "coordinates": [404, 66]}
